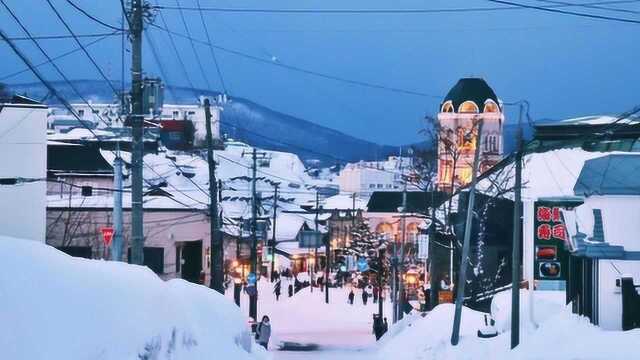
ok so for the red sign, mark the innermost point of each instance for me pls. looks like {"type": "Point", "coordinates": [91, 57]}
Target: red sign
{"type": "Point", "coordinates": [107, 235]}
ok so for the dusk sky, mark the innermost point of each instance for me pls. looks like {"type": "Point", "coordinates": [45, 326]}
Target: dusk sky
{"type": "Point", "coordinates": [565, 66]}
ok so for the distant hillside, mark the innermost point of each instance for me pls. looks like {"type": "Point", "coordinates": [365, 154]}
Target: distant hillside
{"type": "Point", "coordinates": [242, 120]}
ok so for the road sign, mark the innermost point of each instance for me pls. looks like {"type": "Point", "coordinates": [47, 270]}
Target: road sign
{"type": "Point", "coordinates": [310, 239]}
{"type": "Point", "coordinates": [251, 278]}
{"type": "Point", "coordinates": [107, 235]}
{"type": "Point", "coordinates": [423, 246]}
{"type": "Point", "coordinates": [363, 265]}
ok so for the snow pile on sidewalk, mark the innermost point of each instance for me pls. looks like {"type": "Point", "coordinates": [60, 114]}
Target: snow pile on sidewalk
{"type": "Point", "coordinates": [559, 334]}
{"type": "Point", "coordinates": [425, 337]}
{"type": "Point", "coordinates": [53, 306]}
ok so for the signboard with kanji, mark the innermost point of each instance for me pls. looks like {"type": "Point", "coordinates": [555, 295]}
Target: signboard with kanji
{"type": "Point", "coordinates": [550, 235]}
{"type": "Point", "coordinates": [309, 239]}
{"type": "Point", "coordinates": [423, 246]}
{"type": "Point", "coordinates": [107, 235]}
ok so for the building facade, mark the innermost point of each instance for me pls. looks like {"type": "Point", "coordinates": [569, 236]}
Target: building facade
{"type": "Point", "coordinates": [365, 177]}
{"type": "Point", "coordinates": [468, 103]}
{"type": "Point", "coordinates": [23, 154]}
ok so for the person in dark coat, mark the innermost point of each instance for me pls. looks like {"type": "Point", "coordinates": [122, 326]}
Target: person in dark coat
{"type": "Point", "coordinates": [277, 289]}
{"type": "Point", "coordinates": [385, 326]}
{"type": "Point", "coordinates": [351, 296]}
{"type": "Point", "coordinates": [263, 332]}
{"type": "Point", "coordinates": [376, 290]}
{"type": "Point", "coordinates": [290, 289]}
{"type": "Point", "coordinates": [365, 296]}
{"type": "Point", "coordinates": [378, 326]}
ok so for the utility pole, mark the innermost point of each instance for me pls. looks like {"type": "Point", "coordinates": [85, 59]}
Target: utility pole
{"type": "Point", "coordinates": [137, 129]}
{"type": "Point", "coordinates": [315, 250]}
{"type": "Point", "coordinates": [517, 230]}
{"type": "Point", "coordinates": [462, 275]}
{"type": "Point", "coordinates": [403, 222]}
{"type": "Point", "coordinates": [433, 300]}
{"type": "Point", "coordinates": [273, 233]}
{"type": "Point", "coordinates": [217, 249]}
{"type": "Point", "coordinates": [116, 245]}
{"type": "Point", "coordinates": [381, 253]}
{"type": "Point", "coordinates": [253, 297]}
{"type": "Point", "coordinates": [327, 266]}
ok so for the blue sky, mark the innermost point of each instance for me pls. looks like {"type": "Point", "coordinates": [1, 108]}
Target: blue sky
{"type": "Point", "coordinates": [564, 66]}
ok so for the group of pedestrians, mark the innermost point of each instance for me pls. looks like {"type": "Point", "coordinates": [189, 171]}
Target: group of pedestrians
{"type": "Point", "coordinates": [368, 292]}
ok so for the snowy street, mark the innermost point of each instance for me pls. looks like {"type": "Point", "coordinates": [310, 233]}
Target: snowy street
{"type": "Point", "coordinates": [339, 330]}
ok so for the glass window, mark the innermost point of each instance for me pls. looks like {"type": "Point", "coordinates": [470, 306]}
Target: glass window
{"type": "Point", "coordinates": [447, 107]}
{"type": "Point", "coordinates": [491, 107]}
{"type": "Point", "coordinates": [468, 107]}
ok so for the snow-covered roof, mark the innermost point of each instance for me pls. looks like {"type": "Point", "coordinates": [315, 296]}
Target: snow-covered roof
{"type": "Point", "coordinates": [547, 174]}
{"type": "Point", "coordinates": [344, 202]}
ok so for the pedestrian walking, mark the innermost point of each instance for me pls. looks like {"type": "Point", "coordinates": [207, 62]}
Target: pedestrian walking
{"type": "Point", "coordinates": [376, 292]}
{"type": "Point", "coordinates": [378, 326]}
{"type": "Point", "coordinates": [351, 296]}
{"type": "Point", "coordinates": [365, 296]}
{"type": "Point", "coordinates": [290, 290]}
{"type": "Point", "coordinates": [263, 332]}
{"type": "Point", "coordinates": [277, 289]}
{"type": "Point", "coordinates": [385, 326]}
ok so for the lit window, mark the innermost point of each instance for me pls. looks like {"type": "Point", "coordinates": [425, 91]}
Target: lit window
{"type": "Point", "coordinates": [468, 107]}
{"type": "Point", "coordinates": [447, 107]}
{"type": "Point", "coordinates": [491, 107]}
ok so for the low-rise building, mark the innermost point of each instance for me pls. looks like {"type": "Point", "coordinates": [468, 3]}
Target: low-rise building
{"type": "Point", "coordinates": [23, 154]}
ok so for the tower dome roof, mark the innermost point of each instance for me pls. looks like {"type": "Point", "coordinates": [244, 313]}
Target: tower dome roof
{"type": "Point", "coordinates": [470, 89]}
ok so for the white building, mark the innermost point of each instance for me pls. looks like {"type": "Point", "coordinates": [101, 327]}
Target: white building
{"type": "Point", "coordinates": [103, 115]}
{"type": "Point", "coordinates": [23, 154]}
{"type": "Point", "coordinates": [365, 177]}
{"type": "Point", "coordinates": [604, 237]}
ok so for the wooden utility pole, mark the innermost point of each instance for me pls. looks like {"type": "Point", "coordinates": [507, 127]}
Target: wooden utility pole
{"type": "Point", "coordinates": [462, 274]}
{"type": "Point", "coordinates": [517, 230]}
{"type": "Point", "coordinates": [137, 129]}
{"type": "Point", "coordinates": [216, 245]}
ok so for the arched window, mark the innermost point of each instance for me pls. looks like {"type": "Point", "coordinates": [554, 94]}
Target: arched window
{"type": "Point", "coordinates": [447, 107]}
{"type": "Point", "coordinates": [490, 106]}
{"type": "Point", "coordinates": [384, 229]}
{"type": "Point", "coordinates": [491, 143]}
{"type": "Point", "coordinates": [468, 107]}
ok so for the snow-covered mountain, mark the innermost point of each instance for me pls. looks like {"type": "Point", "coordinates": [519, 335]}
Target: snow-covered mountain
{"type": "Point", "coordinates": [242, 120]}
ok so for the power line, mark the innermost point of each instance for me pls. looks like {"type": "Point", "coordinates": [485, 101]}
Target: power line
{"type": "Point", "coordinates": [193, 47]}
{"type": "Point", "coordinates": [85, 13]}
{"type": "Point", "coordinates": [213, 53]}
{"type": "Point", "coordinates": [51, 89]}
{"type": "Point", "coordinates": [590, 6]}
{"type": "Point", "coordinates": [60, 37]}
{"type": "Point", "coordinates": [367, 11]}
{"type": "Point", "coordinates": [65, 54]}
{"type": "Point", "coordinates": [299, 69]}
{"type": "Point", "coordinates": [175, 48]}
{"type": "Point", "coordinates": [86, 52]}
{"type": "Point", "coordinates": [566, 12]}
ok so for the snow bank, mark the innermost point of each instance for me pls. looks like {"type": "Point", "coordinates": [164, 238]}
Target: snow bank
{"type": "Point", "coordinates": [559, 334]}
{"type": "Point", "coordinates": [53, 306]}
{"type": "Point", "coordinates": [423, 338]}
{"type": "Point", "coordinates": [547, 304]}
